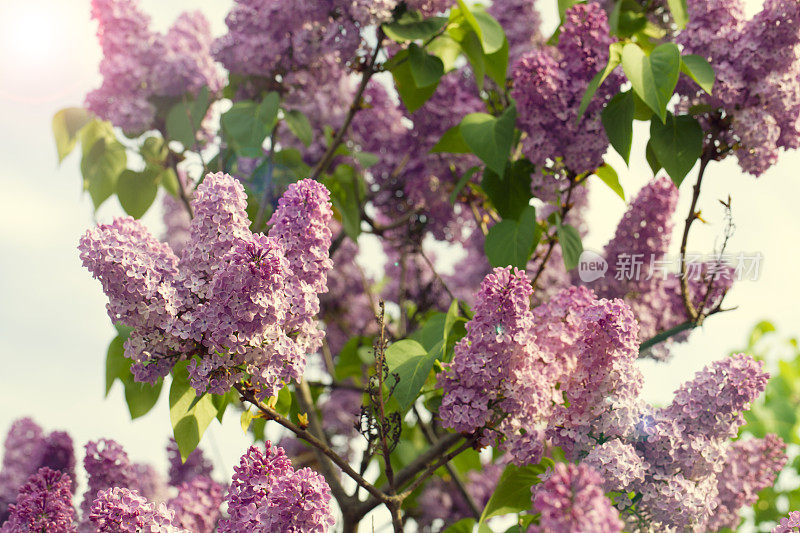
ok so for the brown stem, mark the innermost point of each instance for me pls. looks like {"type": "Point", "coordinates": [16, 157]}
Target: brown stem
{"type": "Point", "coordinates": [346, 501]}
{"type": "Point", "coordinates": [369, 70]}
{"type": "Point", "coordinates": [565, 207]}
{"type": "Point", "coordinates": [413, 468]}
{"type": "Point", "coordinates": [380, 364]}
{"type": "Point", "coordinates": [428, 472]}
{"type": "Point", "coordinates": [691, 311]}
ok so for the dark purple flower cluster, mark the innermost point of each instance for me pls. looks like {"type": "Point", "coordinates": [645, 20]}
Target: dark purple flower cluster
{"type": "Point", "coordinates": [44, 503]}
{"type": "Point", "coordinates": [27, 449]}
{"type": "Point", "coordinates": [241, 302]}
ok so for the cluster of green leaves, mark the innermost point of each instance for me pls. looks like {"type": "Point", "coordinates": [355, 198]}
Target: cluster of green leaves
{"type": "Point", "coordinates": [653, 70]}
{"type": "Point", "coordinates": [104, 161]}
{"type": "Point", "coordinates": [433, 46]}
{"type": "Point", "coordinates": [776, 412]}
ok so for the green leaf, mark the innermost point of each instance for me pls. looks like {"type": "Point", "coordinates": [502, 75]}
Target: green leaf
{"type": "Point", "coordinates": [497, 65]}
{"type": "Point", "coordinates": [609, 176]}
{"type": "Point", "coordinates": [465, 525]}
{"type": "Point", "coordinates": [487, 29]}
{"type": "Point", "coordinates": [299, 125]}
{"type": "Point", "coordinates": [101, 167]}
{"type": "Point", "coordinates": [184, 119]}
{"type": "Point", "coordinates": [412, 363]}
{"type": "Point", "coordinates": [247, 124]}
{"type": "Point", "coordinates": [412, 96]}
{"type": "Point", "coordinates": [571, 245]}
{"type": "Point", "coordinates": [452, 142]}
{"type": "Point", "coordinates": [678, 144]}
{"type": "Point", "coordinates": [117, 365]}
{"type": "Point", "coordinates": [66, 125]}
{"type": "Point", "coordinates": [412, 27]}
{"type": "Point", "coordinates": [188, 425]}
{"type": "Point", "coordinates": [641, 110]}
{"type": "Point", "coordinates": [141, 397]}
{"type": "Point", "coordinates": [511, 242]}
{"type": "Point", "coordinates": [471, 46]}
{"type": "Point", "coordinates": [425, 69]}
{"type": "Point", "coordinates": [698, 68]}
{"type": "Point", "coordinates": [513, 491]}
{"type": "Point", "coordinates": [510, 194]}
{"type": "Point", "coordinates": [680, 12]}
{"type": "Point", "coordinates": [447, 49]}
{"type": "Point", "coordinates": [652, 159]}
{"type": "Point", "coordinates": [490, 138]}
{"type": "Point", "coordinates": [137, 191]}
{"type": "Point", "coordinates": [564, 5]}
{"type": "Point", "coordinates": [617, 118]}
{"type": "Point", "coordinates": [653, 77]}
{"type": "Point", "coordinates": [614, 59]}
{"type": "Point", "coordinates": [344, 185]}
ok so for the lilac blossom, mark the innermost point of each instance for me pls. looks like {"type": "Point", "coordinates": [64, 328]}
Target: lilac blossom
{"type": "Point", "coordinates": [750, 466]}
{"type": "Point", "coordinates": [522, 25]}
{"type": "Point", "coordinates": [107, 465]}
{"type": "Point", "coordinates": [571, 500]}
{"type": "Point", "coordinates": [549, 84]}
{"type": "Point", "coordinates": [267, 494]}
{"type": "Point", "coordinates": [182, 471]}
{"type": "Point", "coordinates": [123, 510]}
{"type": "Point", "coordinates": [197, 505]}
{"type": "Point", "coordinates": [27, 449]}
{"type": "Point", "coordinates": [140, 66]}
{"type": "Point", "coordinates": [44, 503]}
{"type": "Point", "coordinates": [789, 524]}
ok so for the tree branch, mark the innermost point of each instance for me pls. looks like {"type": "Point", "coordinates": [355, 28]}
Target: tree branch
{"type": "Point", "coordinates": [369, 70]}
{"type": "Point", "coordinates": [271, 414]}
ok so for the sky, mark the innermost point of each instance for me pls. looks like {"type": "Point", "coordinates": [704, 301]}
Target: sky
{"type": "Point", "coordinates": [54, 330]}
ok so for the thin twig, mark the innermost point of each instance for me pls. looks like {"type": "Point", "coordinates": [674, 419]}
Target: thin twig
{"type": "Point", "coordinates": [271, 414]}
{"type": "Point", "coordinates": [369, 70]}
{"type": "Point", "coordinates": [565, 207]}
{"type": "Point", "coordinates": [691, 311]}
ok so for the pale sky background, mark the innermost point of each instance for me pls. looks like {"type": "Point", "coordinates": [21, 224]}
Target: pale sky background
{"type": "Point", "coordinates": [54, 330]}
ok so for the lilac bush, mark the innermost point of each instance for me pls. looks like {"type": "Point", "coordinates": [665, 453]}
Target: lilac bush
{"type": "Point", "coordinates": [320, 165]}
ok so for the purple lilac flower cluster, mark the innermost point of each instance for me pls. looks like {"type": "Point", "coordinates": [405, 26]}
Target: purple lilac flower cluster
{"type": "Point", "coordinates": [571, 500]}
{"type": "Point", "coordinates": [565, 374]}
{"type": "Point", "coordinates": [267, 494]}
{"type": "Point", "coordinates": [522, 25]}
{"type": "Point", "coordinates": [238, 300]}
{"type": "Point", "coordinates": [549, 84]}
{"type": "Point", "coordinates": [140, 66]}
{"type": "Point", "coordinates": [269, 38]}
{"type": "Point", "coordinates": [789, 524]}
{"type": "Point", "coordinates": [756, 97]}
{"type": "Point", "coordinates": [120, 509]}
{"type": "Point", "coordinates": [44, 503]}
{"type": "Point", "coordinates": [27, 449]}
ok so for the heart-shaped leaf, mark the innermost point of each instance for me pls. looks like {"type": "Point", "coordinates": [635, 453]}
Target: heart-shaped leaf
{"type": "Point", "coordinates": [490, 138]}
{"type": "Point", "coordinates": [511, 242]}
{"type": "Point", "coordinates": [653, 77]}
{"type": "Point", "coordinates": [698, 68]}
{"type": "Point", "coordinates": [425, 68]}
{"type": "Point", "coordinates": [677, 144]}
